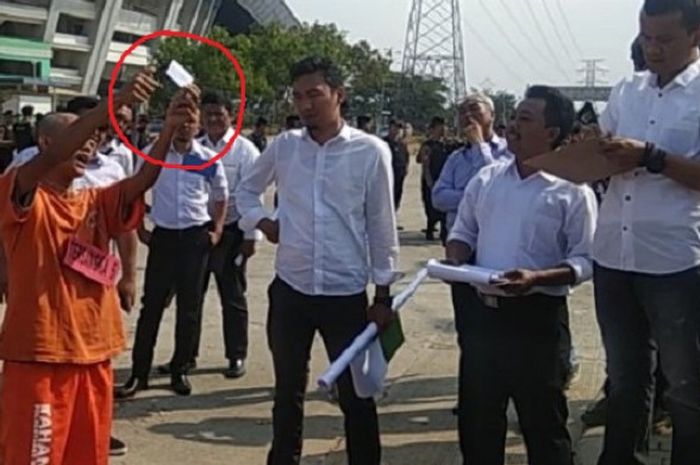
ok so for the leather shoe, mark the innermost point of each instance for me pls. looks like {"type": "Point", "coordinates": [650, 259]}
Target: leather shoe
{"type": "Point", "coordinates": [166, 370]}
{"type": "Point", "coordinates": [130, 388]}
{"type": "Point", "coordinates": [180, 384]}
{"type": "Point", "coordinates": [236, 369]}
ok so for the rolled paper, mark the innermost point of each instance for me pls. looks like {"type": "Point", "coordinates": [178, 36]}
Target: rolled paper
{"type": "Point", "coordinates": [366, 337]}
{"type": "Point", "coordinates": [467, 274]}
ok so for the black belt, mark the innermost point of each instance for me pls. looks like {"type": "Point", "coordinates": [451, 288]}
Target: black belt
{"type": "Point", "coordinates": [181, 232]}
{"type": "Point", "coordinates": [499, 302]}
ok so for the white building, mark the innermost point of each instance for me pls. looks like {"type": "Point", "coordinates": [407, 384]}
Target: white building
{"type": "Point", "coordinates": [62, 48]}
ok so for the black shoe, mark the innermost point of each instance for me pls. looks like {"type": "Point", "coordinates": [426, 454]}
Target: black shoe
{"type": "Point", "coordinates": [236, 369]}
{"type": "Point", "coordinates": [181, 385]}
{"type": "Point", "coordinates": [130, 388]}
{"type": "Point", "coordinates": [165, 368]}
{"type": "Point", "coordinates": [117, 448]}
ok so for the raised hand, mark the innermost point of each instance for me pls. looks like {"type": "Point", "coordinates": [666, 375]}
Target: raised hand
{"type": "Point", "coordinates": [139, 90]}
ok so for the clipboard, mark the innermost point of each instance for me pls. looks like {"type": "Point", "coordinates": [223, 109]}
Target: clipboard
{"type": "Point", "coordinates": [580, 162]}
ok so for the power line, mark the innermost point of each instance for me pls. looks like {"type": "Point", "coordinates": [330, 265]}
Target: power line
{"type": "Point", "coordinates": [524, 33]}
{"type": "Point", "coordinates": [485, 43]}
{"type": "Point", "coordinates": [507, 38]}
{"type": "Point", "coordinates": [543, 36]}
{"type": "Point", "coordinates": [550, 17]}
{"type": "Point", "coordinates": [567, 26]}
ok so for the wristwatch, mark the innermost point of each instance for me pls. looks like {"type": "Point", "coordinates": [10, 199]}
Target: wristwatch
{"type": "Point", "coordinates": [654, 159]}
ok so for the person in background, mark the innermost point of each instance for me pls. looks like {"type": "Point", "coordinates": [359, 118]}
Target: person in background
{"type": "Point", "coordinates": [186, 229]}
{"type": "Point", "coordinates": [7, 144]}
{"type": "Point", "coordinates": [432, 157]}
{"type": "Point", "coordinates": [23, 130]}
{"type": "Point", "coordinates": [365, 123]}
{"type": "Point", "coordinates": [336, 231]}
{"type": "Point", "coordinates": [292, 122]}
{"type": "Point", "coordinates": [538, 229]}
{"type": "Point", "coordinates": [113, 147]}
{"type": "Point", "coordinates": [140, 137]}
{"type": "Point", "coordinates": [399, 159]}
{"type": "Point", "coordinates": [259, 134]}
{"type": "Point", "coordinates": [647, 245]}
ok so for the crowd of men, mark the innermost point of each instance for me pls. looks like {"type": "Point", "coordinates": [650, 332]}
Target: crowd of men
{"type": "Point", "coordinates": [73, 213]}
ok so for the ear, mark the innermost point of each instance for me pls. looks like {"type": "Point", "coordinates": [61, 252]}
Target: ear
{"type": "Point", "coordinates": [342, 95]}
{"type": "Point", "coordinates": [553, 134]}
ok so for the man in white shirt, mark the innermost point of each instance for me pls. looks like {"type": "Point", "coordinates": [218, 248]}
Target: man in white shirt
{"type": "Point", "coordinates": [114, 148]}
{"type": "Point", "coordinates": [230, 274]}
{"type": "Point", "coordinates": [179, 246]}
{"type": "Point", "coordinates": [336, 230]}
{"type": "Point", "coordinates": [538, 229]}
{"type": "Point", "coordinates": [647, 244]}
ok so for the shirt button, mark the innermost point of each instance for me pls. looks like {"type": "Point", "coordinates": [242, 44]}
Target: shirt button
{"type": "Point", "coordinates": [628, 198]}
{"type": "Point", "coordinates": [652, 122]}
{"type": "Point", "coordinates": [661, 94]}
{"type": "Point", "coordinates": [625, 228]}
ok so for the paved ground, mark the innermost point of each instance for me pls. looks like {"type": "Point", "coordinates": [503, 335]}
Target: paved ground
{"type": "Point", "coordinates": [228, 422]}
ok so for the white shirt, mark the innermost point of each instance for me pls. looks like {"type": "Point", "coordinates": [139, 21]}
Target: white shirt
{"type": "Point", "coordinates": [537, 223]}
{"type": "Point", "coordinates": [237, 162]}
{"type": "Point", "coordinates": [336, 210]}
{"type": "Point", "coordinates": [102, 171]}
{"type": "Point", "coordinates": [181, 197]}
{"type": "Point", "coordinates": [649, 223]}
{"type": "Point", "coordinates": [121, 154]}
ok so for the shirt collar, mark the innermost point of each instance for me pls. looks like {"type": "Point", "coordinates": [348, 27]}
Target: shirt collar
{"type": "Point", "coordinates": [513, 171]}
{"type": "Point", "coordinates": [227, 137]}
{"type": "Point", "coordinates": [344, 134]}
{"type": "Point", "coordinates": [691, 73]}
{"type": "Point", "coordinates": [195, 148]}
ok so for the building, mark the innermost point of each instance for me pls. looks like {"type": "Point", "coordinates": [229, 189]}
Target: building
{"type": "Point", "coordinates": [55, 49]}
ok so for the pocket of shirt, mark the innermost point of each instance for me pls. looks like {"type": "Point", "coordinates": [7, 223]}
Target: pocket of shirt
{"type": "Point", "coordinates": [541, 236]}
{"type": "Point", "coordinates": [682, 138]}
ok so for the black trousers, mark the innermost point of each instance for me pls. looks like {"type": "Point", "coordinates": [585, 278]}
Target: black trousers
{"type": "Point", "coordinates": [293, 320]}
{"type": "Point", "coordinates": [433, 216]}
{"type": "Point", "coordinates": [513, 352]}
{"type": "Point", "coordinates": [642, 315]}
{"type": "Point", "coordinates": [399, 178]}
{"type": "Point", "coordinates": [231, 284]}
{"type": "Point", "coordinates": [177, 259]}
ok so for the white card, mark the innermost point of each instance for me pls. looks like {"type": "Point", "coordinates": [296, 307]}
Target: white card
{"type": "Point", "coordinates": [179, 74]}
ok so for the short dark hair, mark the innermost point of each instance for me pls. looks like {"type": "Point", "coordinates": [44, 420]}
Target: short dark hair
{"type": "Point", "coordinates": [80, 104]}
{"type": "Point", "coordinates": [397, 123]}
{"type": "Point", "coordinates": [217, 98]}
{"type": "Point", "coordinates": [27, 110]}
{"type": "Point", "coordinates": [436, 121]}
{"type": "Point", "coordinates": [261, 121]}
{"type": "Point", "coordinates": [559, 110]}
{"type": "Point", "coordinates": [689, 9]}
{"type": "Point", "coordinates": [363, 120]}
{"type": "Point", "coordinates": [331, 72]}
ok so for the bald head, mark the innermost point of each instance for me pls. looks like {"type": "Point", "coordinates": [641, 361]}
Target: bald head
{"type": "Point", "coordinates": [53, 123]}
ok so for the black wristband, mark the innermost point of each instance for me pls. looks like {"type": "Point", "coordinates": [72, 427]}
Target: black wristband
{"type": "Point", "coordinates": [386, 301]}
{"type": "Point", "coordinates": [648, 151]}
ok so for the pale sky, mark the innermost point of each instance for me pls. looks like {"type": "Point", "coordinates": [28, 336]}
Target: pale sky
{"type": "Point", "coordinates": [601, 29]}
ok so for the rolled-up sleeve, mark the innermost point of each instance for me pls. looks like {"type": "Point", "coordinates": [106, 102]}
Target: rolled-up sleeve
{"type": "Point", "coordinates": [381, 220]}
{"type": "Point", "coordinates": [466, 227]}
{"type": "Point", "coordinates": [579, 230]}
{"type": "Point", "coordinates": [219, 183]}
{"type": "Point", "coordinates": [249, 192]}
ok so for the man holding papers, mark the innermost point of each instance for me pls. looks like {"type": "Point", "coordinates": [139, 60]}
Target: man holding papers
{"type": "Point", "coordinates": [538, 230]}
{"type": "Point", "coordinates": [336, 231]}
{"type": "Point", "coordinates": [647, 245]}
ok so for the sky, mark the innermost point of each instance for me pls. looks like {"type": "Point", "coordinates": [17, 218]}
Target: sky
{"type": "Point", "coordinates": [505, 49]}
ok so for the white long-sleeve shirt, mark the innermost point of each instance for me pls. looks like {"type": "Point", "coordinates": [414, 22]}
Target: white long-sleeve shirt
{"type": "Point", "coordinates": [537, 223]}
{"type": "Point", "coordinates": [181, 197]}
{"type": "Point", "coordinates": [237, 162]}
{"type": "Point", "coordinates": [648, 222]}
{"type": "Point", "coordinates": [336, 210]}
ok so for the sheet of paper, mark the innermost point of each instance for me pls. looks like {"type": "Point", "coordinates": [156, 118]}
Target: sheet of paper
{"type": "Point", "coordinates": [467, 274]}
{"type": "Point", "coordinates": [580, 163]}
{"type": "Point", "coordinates": [179, 74]}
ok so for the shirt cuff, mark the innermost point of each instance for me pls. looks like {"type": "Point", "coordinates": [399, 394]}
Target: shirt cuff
{"type": "Point", "coordinates": [255, 235]}
{"type": "Point", "coordinates": [385, 277]}
{"type": "Point", "coordinates": [583, 268]}
{"type": "Point", "coordinates": [456, 236]}
{"type": "Point", "coordinates": [249, 221]}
